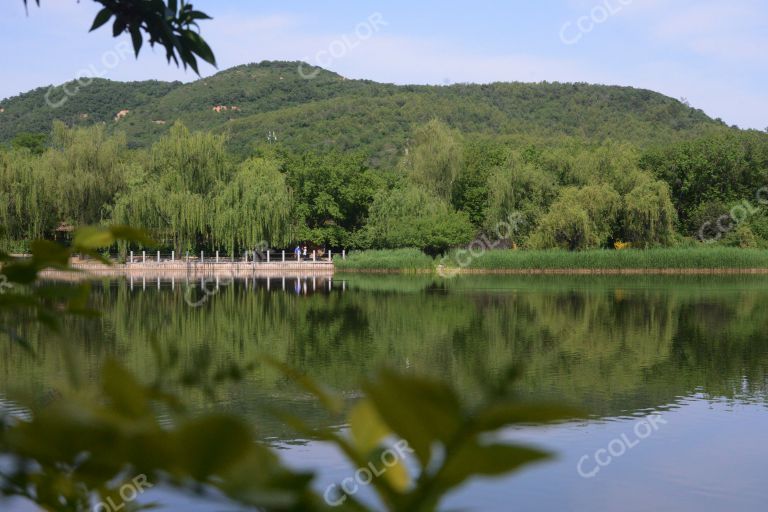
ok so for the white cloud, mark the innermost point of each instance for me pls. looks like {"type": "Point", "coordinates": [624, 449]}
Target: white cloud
{"type": "Point", "coordinates": [730, 31]}
{"type": "Point", "coordinates": [673, 35]}
{"type": "Point", "coordinates": [389, 57]}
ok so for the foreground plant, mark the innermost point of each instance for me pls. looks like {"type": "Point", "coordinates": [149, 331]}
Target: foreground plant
{"type": "Point", "coordinates": [411, 438]}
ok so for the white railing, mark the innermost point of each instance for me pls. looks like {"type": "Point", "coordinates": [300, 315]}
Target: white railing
{"type": "Point", "coordinates": [219, 257]}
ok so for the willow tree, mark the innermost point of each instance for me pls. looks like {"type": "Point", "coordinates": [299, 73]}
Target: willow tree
{"type": "Point", "coordinates": [518, 190]}
{"type": "Point", "coordinates": [649, 214]}
{"type": "Point", "coordinates": [198, 158]}
{"type": "Point", "coordinates": [581, 218]}
{"type": "Point", "coordinates": [612, 162]}
{"type": "Point", "coordinates": [435, 159]}
{"type": "Point", "coordinates": [173, 197]}
{"type": "Point", "coordinates": [73, 182]}
{"type": "Point", "coordinates": [88, 169]}
{"type": "Point", "coordinates": [256, 207]}
{"type": "Point", "coordinates": [26, 208]}
{"type": "Point", "coordinates": [176, 218]}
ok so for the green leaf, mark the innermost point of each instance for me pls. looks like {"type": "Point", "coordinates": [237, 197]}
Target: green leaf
{"type": "Point", "coordinates": [22, 273]}
{"type": "Point", "coordinates": [127, 396]}
{"type": "Point", "coordinates": [118, 27]}
{"type": "Point", "coordinates": [197, 15]}
{"type": "Point", "coordinates": [368, 431]}
{"type": "Point", "coordinates": [96, 237]}
{"type": "Point", "coordinates": [46, 253]}
{"type": "Point", "coordinates": [92, 237]}
{"type": "Point", "coordinates": [328, 398]}
{"type": "Point", "coordinates": [420, 411]}
{"type": "Point", "coordinates": [368, 434]}
{"type": "Point", "coordinates": [488, 460]}
{"type": "Point", "coordinates": [129, 234]}
{"type": "Point", "coordinates": [258, 479]}
{"type": "Point", "coordinates": [136, 38]}
{"type": "Point", "coordinates": [101, 18]}
{"type": "Point", "coordinates": [199, 46]}
{"type": "Point", "coordinates": [212, 444]}
{"type": "Point", "coordinates": [96, 255]}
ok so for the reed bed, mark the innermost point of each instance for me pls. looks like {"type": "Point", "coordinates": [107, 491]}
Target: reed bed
{"type": "Point", "coordinates": [412, 260]}
{"type": "Point", "coordinates": [661, 259]}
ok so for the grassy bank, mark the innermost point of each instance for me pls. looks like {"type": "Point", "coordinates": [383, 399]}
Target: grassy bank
{"type": "Point", "coordinates": [405, 260]}
{"type": "Point", "coordinates": [700, 258]}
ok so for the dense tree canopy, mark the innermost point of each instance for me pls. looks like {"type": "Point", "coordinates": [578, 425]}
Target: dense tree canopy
{"type": "Point", "coordinates": [435, 159]}
{"type": "Point", "coordinates": [706, 175]}
{"type": "Point", "coordinates": [649, 215]}
{"type": "Point", "coordinates": [333, 112]}
{"type": "Point", "coordinates": [193, 194]}
{"type": "Point", "coordinates": [581, 218]}
{"type": "Point", "coordinates": [333, 193]}
{"type": "Point", "coordinates": [410, 216]}
{"type": "Point", "coordinates": [256, 207]}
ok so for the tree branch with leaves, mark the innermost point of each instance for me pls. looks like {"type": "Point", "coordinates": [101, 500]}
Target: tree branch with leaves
{"type": "Point", "coordinates": [173, 24]}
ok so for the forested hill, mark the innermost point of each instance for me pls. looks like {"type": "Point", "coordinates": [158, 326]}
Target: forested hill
{"type": "Point", "coordinates": [250, 102]}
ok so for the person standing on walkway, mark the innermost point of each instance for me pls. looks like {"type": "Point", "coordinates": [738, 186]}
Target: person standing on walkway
{"type": "Point", "coordinates": [297, 252]}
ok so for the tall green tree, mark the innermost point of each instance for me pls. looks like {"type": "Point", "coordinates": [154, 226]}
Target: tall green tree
{"type": "Point", "coordinates": [649, 215]}
{"type": "Point", "coordinates": [173, 196]}
{"type": "Point", "coordinates": [581, 218]}
{"type": "Point", "coordinates": [196, 159]}
{"type": "Point", "coordinates": [722, 167]}
{"type": "Point", "coordinates": [519, 190]}
{"type": "Point", "coordinates": [333, 193]}
{"type": "Point", "coordinates": [34, 142]}
{"type": "Point", "coordinates": [409, 216]}
{"type": "Point", "coordinates": [471, 189]}
{"type": "Point", "coordinates": [435, 158]}
{"type": "Point", "coordinates": [256, 207]}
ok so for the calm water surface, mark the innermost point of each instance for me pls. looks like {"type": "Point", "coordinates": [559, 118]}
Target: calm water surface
{"type": "Point", "coordinates": [689, 352]}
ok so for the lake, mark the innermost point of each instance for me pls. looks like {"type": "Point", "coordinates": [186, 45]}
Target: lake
{"type": "Point", "coordinates": [671, 369]}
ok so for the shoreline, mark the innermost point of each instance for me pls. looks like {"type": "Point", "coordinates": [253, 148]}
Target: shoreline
{"type": "Point", "coordinates": [447, 273]}
{"type": "Point", "coordinates": [538, 263]}
{"type": "Point", "coordinates": [327, 269]}
{"type": "Point", "coordinates": [95, 270]}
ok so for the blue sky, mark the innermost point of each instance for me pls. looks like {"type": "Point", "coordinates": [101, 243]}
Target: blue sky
{"type": "Point", "coordinates": [714, 53]}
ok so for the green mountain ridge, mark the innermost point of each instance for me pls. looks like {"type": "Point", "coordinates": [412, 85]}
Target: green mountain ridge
{"type": "Point", "coordinates": [332, 112]}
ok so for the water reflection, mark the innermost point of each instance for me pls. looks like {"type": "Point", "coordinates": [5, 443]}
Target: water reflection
{"type": "Point", "coordinates": [694, 348]}
{"type": "Point", "coordinates": [614, 344]}
{"type": "Point", "coordinates": [211, 284]}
